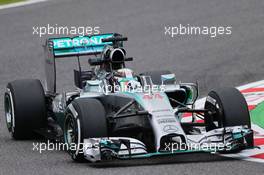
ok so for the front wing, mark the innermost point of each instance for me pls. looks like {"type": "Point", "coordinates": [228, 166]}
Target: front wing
{"type": "Point", "coordinates": [227, 139]}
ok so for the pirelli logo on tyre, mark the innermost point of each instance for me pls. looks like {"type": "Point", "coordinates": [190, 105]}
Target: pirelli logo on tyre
{"type": "Point", "coordinates": [211, 100]}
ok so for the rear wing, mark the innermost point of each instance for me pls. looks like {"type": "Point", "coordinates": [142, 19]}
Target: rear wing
{"type": "Point", "coordinates": [73, 46]}
{"type": "Point", "coordinates": [80, 45]}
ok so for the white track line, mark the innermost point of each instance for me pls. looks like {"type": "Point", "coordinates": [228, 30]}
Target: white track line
{"type": "Point", "coordinates": [18, 4]}
{"type": "Point", "coordinates": [250, 85]}
{"type": "Point", "coordinates": [200, 102]}
{"type": "Point", "coordinates": [257, 128]}
{"type": "Point", "coordinates": [241, 157]}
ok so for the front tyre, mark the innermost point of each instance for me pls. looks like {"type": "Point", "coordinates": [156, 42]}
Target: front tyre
{"type": "Point", "coordinates": [229, 108]}
{"type": "Point", "coordinates": [85, 118]}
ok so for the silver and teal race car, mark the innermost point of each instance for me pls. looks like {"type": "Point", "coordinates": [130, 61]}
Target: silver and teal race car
{"type": "Point", "coordinates": [114, 113]}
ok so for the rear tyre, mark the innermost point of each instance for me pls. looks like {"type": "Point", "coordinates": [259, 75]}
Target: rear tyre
{"type": "Point", "coordinates": [85, 118]}
{"type": "Point", "coordinates": [25, 108]}
{"type": "Point", "coordinates": [230, 109]}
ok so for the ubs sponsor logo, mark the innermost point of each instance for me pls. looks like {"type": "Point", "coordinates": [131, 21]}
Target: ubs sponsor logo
{"type": "Point", "coordinates": [166, 120]}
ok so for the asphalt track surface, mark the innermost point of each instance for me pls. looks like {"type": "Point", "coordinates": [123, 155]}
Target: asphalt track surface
{"type": "Point", "coordinates": [224, 61]}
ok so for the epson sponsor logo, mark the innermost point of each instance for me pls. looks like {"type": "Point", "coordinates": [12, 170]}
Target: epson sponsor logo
{"type": "Point", "coordinates": [161, 110]}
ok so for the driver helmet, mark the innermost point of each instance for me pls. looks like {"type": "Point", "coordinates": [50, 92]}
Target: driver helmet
{"type": "Point", "coordinates": [126, 79]}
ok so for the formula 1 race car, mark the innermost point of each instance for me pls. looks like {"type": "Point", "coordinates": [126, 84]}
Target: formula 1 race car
{"type": "Point", "coordinates": [117, 114]}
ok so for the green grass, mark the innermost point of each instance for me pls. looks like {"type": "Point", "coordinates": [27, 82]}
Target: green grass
{"type": "Point", "coordinates": [257, 115]}
{"type": "Point", "coordinates": [2, 2]}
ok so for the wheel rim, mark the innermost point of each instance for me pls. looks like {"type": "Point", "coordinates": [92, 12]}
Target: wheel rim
{"type": "Point", "coordinates": [9, 114]}
{"type": "Point", "coordinates": [218, 118]}
{"type": "Point", "coordinates": [215, 120]}
{"type": "Point", "coordinates": [71, 134]}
